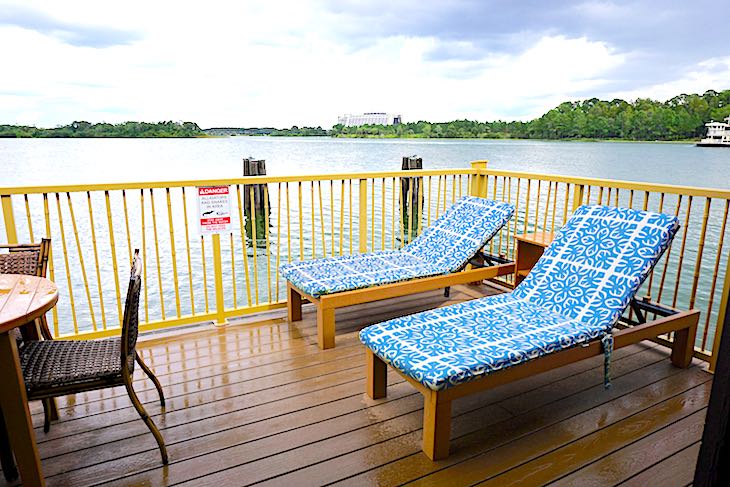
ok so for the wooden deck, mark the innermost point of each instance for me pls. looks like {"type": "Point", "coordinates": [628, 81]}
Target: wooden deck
{"type": "Point", "coordinates": [260, 403]}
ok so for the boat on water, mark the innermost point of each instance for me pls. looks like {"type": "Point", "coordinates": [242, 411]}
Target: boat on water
{"type": "Point", "coordinates": [718, 134]}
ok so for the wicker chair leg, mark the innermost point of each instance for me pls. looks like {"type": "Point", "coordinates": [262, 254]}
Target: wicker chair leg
{"type": "Point", "coordinates": [50, 413]}
{"type": "Point", "coordinates": [7, 462]}
{"type": "Point", "coordinates": [152, 377]}
{"type": "Point", "coordinates": [145, 417]}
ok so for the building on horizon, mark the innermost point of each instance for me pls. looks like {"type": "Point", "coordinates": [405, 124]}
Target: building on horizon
{"type": "Point", "coordinates": [368, 118]}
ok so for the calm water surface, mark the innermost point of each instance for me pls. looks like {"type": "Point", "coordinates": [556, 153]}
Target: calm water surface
{"type": "Point", "coordinates": [58, 161]}
{"type": "Point", "coordinates": [79, 161]}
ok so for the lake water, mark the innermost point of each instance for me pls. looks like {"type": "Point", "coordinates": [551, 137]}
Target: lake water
{"type": "Point", "coordinates": [59, 161]}
{"type": "Point", "coordinates": [79, 161]}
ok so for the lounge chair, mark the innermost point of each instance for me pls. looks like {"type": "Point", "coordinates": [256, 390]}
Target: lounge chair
{"type": "Point", "coordinates": [564, 311]}
{"type": "Point", "coordinates": [430, 261]}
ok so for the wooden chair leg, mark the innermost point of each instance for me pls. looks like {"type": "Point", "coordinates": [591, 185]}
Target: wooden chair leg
{"type": "Point", "coordinates": [7, 462]}
{"type": "Point", "coordinates": [152, 377]}
{"type": "Point", "coordinates": [325, 327]}
{"type": "Point", "coordinates": [145, 417]}
{"type": "Point", "coordinates": [377, 376]}
{"type": "Point", "coordinates": [683, 346]}
{"type": "Point", "coordinates": [293, 304]}
{"type": "Point", "coordinates": [436, 427]}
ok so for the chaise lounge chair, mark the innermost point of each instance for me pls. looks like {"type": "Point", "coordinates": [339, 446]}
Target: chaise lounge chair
{"type": "Point", "coordinates": [430, 261]}
{"type": "Point", "coordinates": [574, 295]}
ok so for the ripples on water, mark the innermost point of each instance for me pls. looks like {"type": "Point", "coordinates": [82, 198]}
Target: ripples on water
{"type": "Point", "coordinates": [72, 161]}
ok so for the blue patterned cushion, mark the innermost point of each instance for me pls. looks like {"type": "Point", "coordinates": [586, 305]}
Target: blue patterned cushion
{"type": "Point", "coordinates": [575, 293]}
{"type": "Point", "coordinates": [443, 247]}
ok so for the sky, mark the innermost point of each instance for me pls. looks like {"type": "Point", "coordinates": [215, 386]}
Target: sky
{"type": "Point", "coordinates": [304, 62]}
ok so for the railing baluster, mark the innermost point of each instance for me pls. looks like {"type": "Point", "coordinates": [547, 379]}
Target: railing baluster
{"type": "Point", "coordinates": [372, 215]}
{"type": "Point", "coordinates": [667, 253]}
{"type": "Point", "coordinates": [288, 224]}
{"type": "Point", "coordinates": [555, 208]}
{"type": "Point", "coordinates": [700, 251]}
{"type": "Point", "coordinates": [278, 237]}
{"type": "Point", "coordinates": [301, 223]}
{"type": "Point", "coordinates": [321, 219]}
{"type": "Point", "coordinates": [233, 270]}
{"type": "Point", "coordinates": [244, 245]}
{"type": "Point", "coordinates": [715, 277]}
{"type": "Point", "coordinates": [527, 206]}
{"type": "Point", "coordinates": [51, 267]}
{"type": "Point", "coordinates": [382, 214]}
{"type": "Point", "coordinates": [342, 213]}
{"type": "Point", "coordinates": [144, 258]}
{"type": "Point", "coordinates": [96, 260]}
{"type": "Point", "coordinates": [268, 246]}
{"type": "Point", "coordinates": [438, 196]}
{"type": "Point", "coordinates": [255, 242]}
{"type": "Point", "coordinates": [173, 254]}
{"type": "Point", "coordinates": [428, 204]}
{"type": "Point", "coordinates": [205, 273]}
{"type": "Point", "coordinates": [349, 215]}
{"type": "Point", "coordinates": [537, 206]}
{"type": "Point", "coordinates": [157, 253]}
{"type": "Point", "coordinates": [187, 252]}
{"type": "Point", "coordinates": [409, 210]}
{"type": "Point", "coordinates": [332, 215]}
{"type": "Point", "coordinates": [681, 252]}
{"type": "Point", "coordinates": [81, 260]}
{"type": "Point", "coordinates": [314, 226]}
{"type": "Point", "coordinates": [651, 274]}
{"type": "Point", "coordinates": [65, 259]}
{"type": "Point", "coordinates": [392, 215]}
{"type": "Point", "coordinates": [126, 225]}
{"type": "Point", "coordinates": [363, 216]}
{"type": "Point", "coordinates": [27, 216]}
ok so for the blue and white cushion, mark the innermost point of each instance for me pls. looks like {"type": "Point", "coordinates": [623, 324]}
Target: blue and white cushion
{"type": "Point", "coordinates": [574, 294]}
{"type": "Point", "coordinates": [442, 248]}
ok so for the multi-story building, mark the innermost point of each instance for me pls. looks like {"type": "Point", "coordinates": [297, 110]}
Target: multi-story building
{"type": "Point", "coordinates": [368, 118]}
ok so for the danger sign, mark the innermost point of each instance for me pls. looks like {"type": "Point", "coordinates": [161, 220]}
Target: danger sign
{"type": "Point", "coordinates": [214, 209]}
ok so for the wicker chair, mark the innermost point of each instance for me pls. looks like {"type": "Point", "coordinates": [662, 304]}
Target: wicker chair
{"type": "Point", "coordinates": [29, 259]}
{"type": "Point", "coordinates": [56, 368]}
{"type": "Point", "coordinates": [32, 260]}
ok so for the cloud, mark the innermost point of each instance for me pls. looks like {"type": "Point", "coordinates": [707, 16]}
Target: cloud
{"type": "Point", "coordinates": [303, 62]}
{"type": "Point", "coordinates": [67, 32]}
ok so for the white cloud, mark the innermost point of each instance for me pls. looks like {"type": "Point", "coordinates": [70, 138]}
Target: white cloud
{"type": "Point", "coordinates": [277, 64]}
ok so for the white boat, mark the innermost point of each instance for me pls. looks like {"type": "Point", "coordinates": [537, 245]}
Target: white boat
{"type": "Point", "coordinates": [718, 134]}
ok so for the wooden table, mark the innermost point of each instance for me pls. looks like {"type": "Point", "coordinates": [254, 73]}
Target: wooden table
{"type": "Point", "coordinates": [530, 247]}
{"type": "Point", "coordinates": [22, 300]}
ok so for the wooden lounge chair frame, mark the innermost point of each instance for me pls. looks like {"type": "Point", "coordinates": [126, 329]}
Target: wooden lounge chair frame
{"type": "Point", "coordinates": [328, 303]}
{"type": "Point", "coordinates": [437, 404]}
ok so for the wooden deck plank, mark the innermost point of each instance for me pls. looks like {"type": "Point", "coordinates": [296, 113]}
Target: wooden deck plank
{"type": "Point", "coordinates": [676, 471]}
{"type": "Point", "coordinates": [259, 402]}
{"type": "Point", "coordinates": [595, 445]}
{"type": "Point", "coordinates": [632, 459]}
{"type": "Point", "coordinates": [332, 450]}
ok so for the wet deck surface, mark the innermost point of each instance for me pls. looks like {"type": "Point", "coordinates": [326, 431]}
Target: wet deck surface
{"type": "Point", "coordinates": [261, 404]}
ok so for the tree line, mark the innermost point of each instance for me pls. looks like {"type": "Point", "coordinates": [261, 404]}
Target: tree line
{"type": "Point", "coordinates": [126, 129]}
{"type": "Point", "coordinates": [680, 118]}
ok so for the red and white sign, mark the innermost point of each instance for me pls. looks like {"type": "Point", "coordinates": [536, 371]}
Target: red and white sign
{"type": "Point", "coordinates": [214, 209]}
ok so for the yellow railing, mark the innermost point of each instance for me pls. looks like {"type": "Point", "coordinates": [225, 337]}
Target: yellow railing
{"type": "Point", "coordinates": [189, 278]}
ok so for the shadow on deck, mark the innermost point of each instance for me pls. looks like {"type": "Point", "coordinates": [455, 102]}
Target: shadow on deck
{"type": "Point", "coordinates": [260, 403]}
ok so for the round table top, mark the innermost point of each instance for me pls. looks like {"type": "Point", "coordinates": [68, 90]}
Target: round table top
{"type": "Point", "coordinates": [23, 299]}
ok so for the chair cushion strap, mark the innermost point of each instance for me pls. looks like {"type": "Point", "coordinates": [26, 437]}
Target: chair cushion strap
{"type": "Point", "coordinates": [607, 342]}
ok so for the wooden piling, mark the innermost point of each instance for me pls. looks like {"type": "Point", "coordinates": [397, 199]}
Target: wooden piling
{"type": "Point", "coordinates": [255, 209]}
{"type": "Point", "coordinates": [411, 197]}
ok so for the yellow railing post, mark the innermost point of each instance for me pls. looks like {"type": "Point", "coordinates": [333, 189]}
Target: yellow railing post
{"type": "Point", "coordinates": [363, 216]}
{"type": "Point", "coordinates": [9, 219]}
{"type": "Point", "coordinates": [577, 196]}
{"type": "Point", "coordinates": [722, 311]}
{"type": "Point", "coordinates": [220, 304]}
{"type": "Point", "coordinates": [479, 180]}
